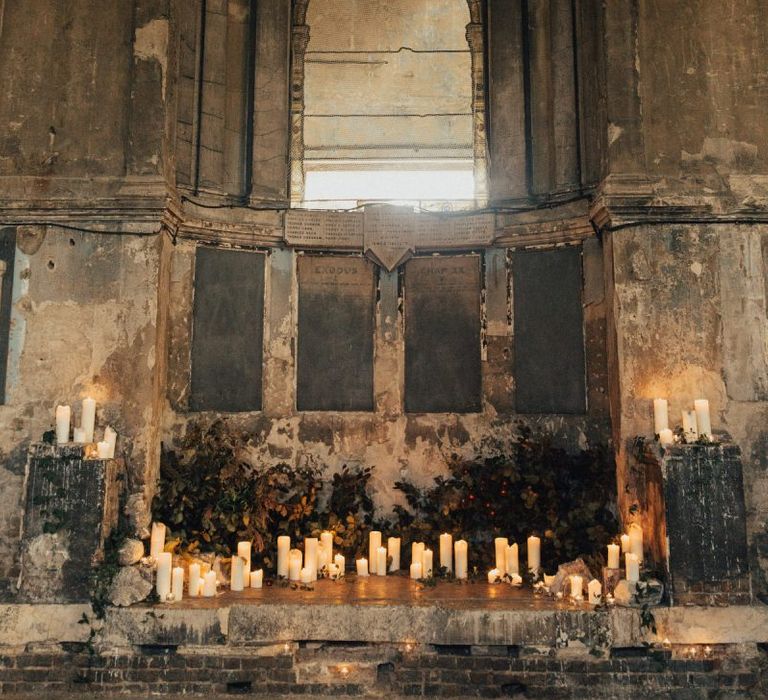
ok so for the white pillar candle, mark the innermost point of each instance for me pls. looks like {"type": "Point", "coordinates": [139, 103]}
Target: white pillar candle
{"type": "Point", "coordinates": [362, 567]}
{"type": "Point", "coordinates": [501, 544]}
{"type": "Point", "coordinates": [209, 584]}
{"type": "Point", "coordinates": [632, 564]}
{"type": "Point", "coordinates": [393, 552]}
{"type": "Point", "coordinates": [63, 416]}
{"type": "Point", "coordinates": [294, 564]}
{"type": "Point", "coordinates": [102, 450]}
{"type": "Point", "coordinates": [177, 584]}
{"type": "Point", "coordinates": [257, 578]}
{"type": "Point", "coordinates": [310, 555]}
{"type": "Point", "coordinates": [660, 415]}
{"type": "Point", "coordinates": [322, 558]}
{"type": "Point", "coordinates": [194, 580]}
{"type": "Point", "coordinates": [595, 591]}
{"type": "Point", "coordinates": [244, 552]}
{"type": "Point", "coordinates": [703, 420]}
{"type": "Point", "coordinates": [446, 552]}
{"type": "Point", "coordinates": [460, 557]}
{"type": "Point", "coordinates": [340, 563]}
{"type": "Point", "coordinates": [326, 541]}
{"type": "Point", "coordinates": [548, 581]}
{"type": "Point", "coordinates": [236, 574]}
{"type": "Point", "coordinates": [415, 570]}
{"type": "Point", "coordinates": [333, 571]}
{"type": "Point", "coordinates": [163, 580]}
{"type": "Point", "coordinates": [283, 550]}
{"type": "Point", "coordinates": [417, 552]}
{"type": "Point", "coordinates": [636, 540]}
{"type": "Point", "coordinates": [110, 437]}
{"type": "Point", "coordinates": [381, 561]}
{"type": "Point", "coordinates": [613, 556]}
{"type": "Point", "coordinates": [666, 437]}
{"type": "Point", "coordinates": [157, 540]}
{"type": "Point", "coordinates": [78, 436]}
{"type": "Point", "coordinates": [308, 574]}
{"type": "Point", "coordinates": [513, 559]}
{"type": "Point", "coordinates": [427, 560]}
{"type": "Point", "coordinates": [534, 553]}
{"type": "Point", "coordinates": [690, 426]}
{"type": "Point", "coordinates": [374, 542]}
{"type": "Point", "coordinates": [494, 576]}
{"type": "Point", "coordinates": [625, 544]}
{"type": "Point", "coordinates": [577, 587]}
{"type": "Point", "coordinates": [88, 418]}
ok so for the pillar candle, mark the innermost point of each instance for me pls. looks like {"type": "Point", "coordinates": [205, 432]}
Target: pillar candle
{"type": "Point", "coordinates": [308, 574]}
{"type": "Point", "coordinates": [326, 539]}
{"type": "Point", "coordinates": [595, 591]}
{"type": "Point", "coordinates": [513, 559]}
{"type": "Point", "coordinates": [374, 542]}
{"type": "Point", "coordinates": [381, 561]}
{"type": "Point", "coordinates": [636, 540]}
{"type": "Point", "coordinates": [294, 564]}
{"type": "Point", "coordinates": [333, 571]}
{"type": "Point", "coordinates": [194, 580]}
{"type": "Point", "coordinates": [534, 553]}
{"type": "Point", "coordinates": [701, 406]}
{"type": "Point", "coordinates": [501, 544]}
{"type": "Point", "coordinates": [88, 418]}
{"type": "Point", "coordinates": [660, 415]}
{"type": "Point", "coordinates": [283, 550]}
{"type": "Point", "coordinates": [362, 567]}
{"type": "Point", "coordinates": [310, 555]}
{"type": "Point", "coordinates": [177, 584]}
{"type": "Point", "coordinates": [63, 416]}
{"type": "Point", "coordinates": [632, 564]}
{"type": "Point", "coordinates": [446, 552]}
{"type": "Point", "coordinates": [690, 426]}
{"type": "Point", "coordinates": [322, 558]}
{"type": "Point", "coordinates": [577, 587]}
{"type": "Point", "coordinates": [417, 552]}
{"type": "Point", "coordinates": [102, 450]}
{"type": "Point", "coordinates": [416, 570]}
{"type": "Point", "coordinates": [157, 540]}
{"type": "Point", "coordinates": [110, 437]}
{"type": "Point", "coordinates": [257, 578]}
{"type": "Point", "coordinates": [613, 556]}
{"type": "Point", "coordinates": [666, 437]}
{"type": "Point", "coordinates": [393, 552]}
{"type": "Point", "coordinates": [427, 563]}
{"type": "Point", "coordinates": [209, 584]}
{"type": "Point", "coordinates": [78, 436]}
{"type": "Point", "coordinates": [244, 552]}
{"type": "Point", "coordinates": [460, 556]}
{"type": "Point", "coordinates": [339, 561]}
{"type": "Point", "coordinates": [494, 576]}
{"type": "Point", "coordinates": [625, 544]}
{"type": "Point", "coordinates": [236, 574]}
{"type": "Point", "coordinates": [163, 580]}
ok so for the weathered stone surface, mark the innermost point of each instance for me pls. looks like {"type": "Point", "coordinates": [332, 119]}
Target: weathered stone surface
{"type": "Point", "coordinates": [138, 514]}
{"type": "Point", "coordinates": [129, 586]}
{"type": "Point", "coordinates": [624, 593]}
{"type": "Point", "coordinates": [130, 552]}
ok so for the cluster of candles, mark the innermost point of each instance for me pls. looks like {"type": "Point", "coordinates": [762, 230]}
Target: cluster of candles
{"type": "Point", "coordinates": [696, 423]}
{"type": "Point", "coordinates": [632, 549]}
{"type": "Point", "coordinates": [105, 449]}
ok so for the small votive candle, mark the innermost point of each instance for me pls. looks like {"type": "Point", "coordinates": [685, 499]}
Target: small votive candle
{"type": "Point", "coordinates": [308, 574]}
{"type": "Point", "coordinates": [595, 591]}
{"type": "Point", "coordinates": [577, 587]}
{"type": "Point", "coordinates": [103, 450]}
{"type": "Point", "coordinates": [415, 570]}
{"type": "Point", "coordinates": [362, 567]}
{"type": "Point", "coordinates": [494, 576]}
{"type": "Point", "coordinates": [257, 578]}
{"type": "Point", "coordinates": [333, 571]}
{"type": "Point", "coordinates": [209, 584]}
{"type": "Point", "coordinates": [295, 559]}
{"type": "Point", "coordinates": [338, 560]}
{"type": "Point", "coordinates": [666, 437]}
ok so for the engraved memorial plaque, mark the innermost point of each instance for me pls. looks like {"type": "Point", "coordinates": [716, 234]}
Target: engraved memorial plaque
{"type": "Point", "coordinates": [324, 229]}
{"type": "Point", "coordinates": [389, 235]}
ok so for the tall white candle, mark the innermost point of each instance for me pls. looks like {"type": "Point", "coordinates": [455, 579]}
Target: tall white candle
{"type": "Point", "coordinates": [513, 559]}
{"type": "Point", "coordinates": [157, 540]}
{"type": "Point", "coordinates": [636, 540]}
{"type": "Point", "coordinates": [322, 558]}
{"type": "Point", "coordinates": [308, 574]}
{"type": "Point", "coordinates": [163, 580]}
{"type": "Point", "coordinates": [660, 415]}
{"type": "Point", "coordinates": [690, 426]}
{"type": "Point", "coordinates": [501, 544]}
{"type": "Point", "coordinates": [703, 420]}
{"type": "Point", "coordinates": [294, 564]}
{"type": "Point", "coordinates": [666, 437]}
{"type": "Point", "coordinates": [177, 584]}
{"type": "Point", "coordinates": [632, 564]}
{"type": "Point", "coordinates": [534, 553]}
{"type": "Point", "coordinates": [209, 584]}
{"type": "Point", "coordinates": [194, 580]}
{"type": "Point", "coordinates": [326, 540]}
{"type": "Point", "coordinates": [339, 561]}
{"type": "Point", "coordinates": [595, 591]}
{"type": "Point", "coordinates": [244, 552]}
{"type": "Point", "coordinates": [236, 574]}
{"type": "Point", "coordinates": [283, 550]}
{"type": "Point", "coordinates": [577, 587]}
{"type": "Point", "coordinates": [460, 556]}
{"type": "Point", "coordinates": [257, 578]}
{"type": "Point", "coordinates": [362, 567]}
{"type": "Point", "coordinates": [415, 570]}
{"type": "Point", "coordinates": [374, 542]}
{"type": "Point", "coordinates": [613, 556]}
{"type": "Point", "coordinates": [63, 416]}
{"type": "Point", "coordinates": [446, 552]}
{"type": "Point", "coordinates": [88, 418]}
{"type": "Point", "coordinates": [625, 544]}
{"type": "Point", "coordinates": [427, 559]}
{"type": "Point", "coordinates": [310, 555]}
{"type": "Point", "coordinates": [78, 436]}
{"type": "Point", "coordinates": [110, 437]}
{"type": "Point", "coordinates": [494, 576]}
{"type": "Point", "coordinates": [417, 552]}
{"type": "Point", "coordinates": [393, 552]}
{"type": "Point", "coordinates": [381, 561]}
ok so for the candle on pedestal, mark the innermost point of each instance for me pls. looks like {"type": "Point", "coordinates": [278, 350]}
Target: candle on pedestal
{"type": "Point", "coordinates": [310, 555]}
{"type": "Point", "coordinates": [236, 574]}
{"type": "Point", "coordinates": [163, 580]}
{"type": "Point", "coordinates": [257, 578]}
{"type": "Point", "coordinates": [244, 551]}
{"type": "Point", "coordinates": [393, 552]}
{"type": "Point", "coordinates": [595, 592]}
{"type": "Point", "coordinates": [632, 564]}
{"type": "Point", "coordinates": [636, 540]}
{"type": "Point", "coordinates": [613, 556]}
{"type": "Point", "coordinates": [340, 563]}
{"type": "Point", "coordinates": [88, 418]}
{"type": "Point", "coordinates": [63, 417]}
{"type": "Point", "coordinates": [194, 580]}
{"type": "Point", "coordinates": [577, 587]}
{"type": "Point", "coordinates": [690, 426]}
{"type": "Point", "coordinates": [78, 436]}
{"type": "Point", "coordinates": [446, 552]}
{"type": "Point", "coordinates": [209, 584]}
{"type": "Point", "coordinates": [494, 576]}
{"type": "Point", "coordinates": [534, 553]}
{"type": "Point", "coordinates": [427, 563]}
{"type": "Point", "coordinates": [460, 558]}
{"type": "Point", "coordinates": [157, 540]}
{"type": "Point", "coordinates": [362, 567]}
{"type": "Point", "coordinates": [703, 421]}
{"type": "Point", "coordinates": [177, 584]}
{"type": "Point", "coordinates": [513, 559]}
{"type": "Point", "coordinates": [500, 546]}
{"type": "Point", "coordinates": [625, 544]}
{"type": "Point", "coordinates": [283, 550]}
{"type": "Point", "coordinates": [374, 542]}
{"type": "Point", "coordinates": [666, 437]}
{"type": "Point", "coordinates": [415, 570]}
{"type": "Point", "coordinates": [381, 561]}
{"type": "Point", "coordinates": [660, 415]}
{"type": "Point", "coordinates": [294, 564]}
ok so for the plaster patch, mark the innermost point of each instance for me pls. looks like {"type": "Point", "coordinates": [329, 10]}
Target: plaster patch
{"type": "Point", "coordinates": [697, 268]}
{"type": "Point", "coordinates": [151, 44]}
{"type": "Point", "coordinates": [614, 133]}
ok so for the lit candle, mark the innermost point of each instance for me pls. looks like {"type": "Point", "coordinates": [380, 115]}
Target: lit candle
{"type": "Point", "coordinates": [632, 564]}
{"type": "Point", "coordinates": [236, 574]}
{"type": "Point", "coordinates": [326, 541]}
{"type": "Point", "coordinates": [163, 580]}
{"type": "Point", "coordinates": [157, 540]}
{"type": "Point", "coordinates": [636, 540]}
{"type": "Point", "coordinates": [308, 574]}
{"type": "Point", "coordinates": [244, 552]}
{"type": "Point", "coordinates": [613, 556]}
{"type": "Point", "coordinates": [427, 560]}
{"type": "Point", "coordinates": [294, 564]}
{"type": "Point", "coordinates": [362, 567]}
{"type": "Point", "coordinates": [501, 544]}
{"type": "Point", "coordinates": [194, 580]}
{"type": "Point", "coordinates": [577, 587]}
{"type": "Point", "coordinates": [625, 544]}
{"type": "Point", "coordinates": [333, 571]}
{"type": "Point", "coordinates": [595, 592]}
{"type": "Point", "coordinates": [446, 552]}
{"type": "Point", "coordinates": [417, 552]}
{"type": "Point", "coordinates": [416, 570]}
{"type": "Point", "coordinates": [102, 450]}
{"type": "Point", "coordinates": [393, 552]}
{"type": "Point", "coordinates": [209, 584]}
{"type": "Point", "coordinates": [110, 437]}
{"type": "Point", "coordinates": [88, 418]}
{"type": "Point", "coordinates": [666, 437]}
{"type": "Point", "coordinates": [283, 550]}
{"type": "Point", "coordinates": [322, 558]}
{"type": "Point", "coordinates": [690, 426]}
{"type": "Point", "coordinates": [78, 436]}
{"type": "Point", "coordinates": [177, 584]}
{"type": "Point", "coordinates": [374, 542]}
{"type": "Point", "coordinates": [660, 415]}
{"type": "Point", "coordinates": [460, 557]}
{"type": "Point", "coordinates": [340, 563]}
{"type": "Point", "coordinates": [703, 421]}
{"type": "Point", "coordinates": [534, 553]}
{"type": "Point", "coordinates": [310, 555]}
{"type": "Point", "coordinates": [513, 559]}
{"type": "Point", "coordinates": [381, 561]}
{"type": "Point", "coordinates": [257, 578]}
{"type": "Point", "coordinates": [494, 576]}
{"type": "Point", "coordinates": [63, 416]}
{"type": "Point", "coordinates": [548, 581]}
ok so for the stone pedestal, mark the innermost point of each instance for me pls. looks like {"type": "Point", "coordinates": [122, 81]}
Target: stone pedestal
{"type": "Point", "coordinates": [71, 504]}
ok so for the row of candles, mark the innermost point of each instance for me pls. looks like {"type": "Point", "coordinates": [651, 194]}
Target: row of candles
{"type": "Point", "coordinates": [696, 423]}
{"type": "Point", "coordinates": [105, 449]}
